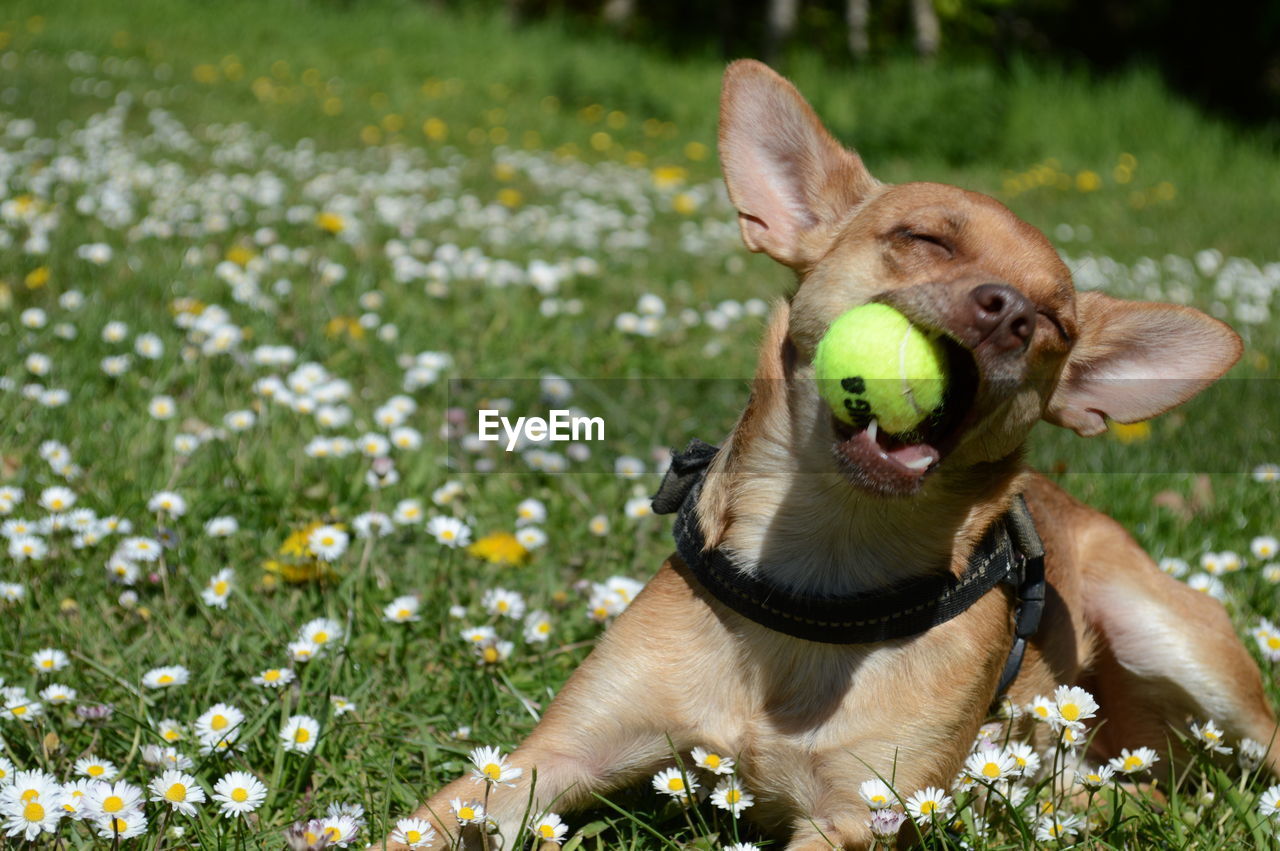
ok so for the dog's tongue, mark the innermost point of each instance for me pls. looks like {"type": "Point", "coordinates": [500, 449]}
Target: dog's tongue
{"type": "Point", "coordinates": [888, 459]}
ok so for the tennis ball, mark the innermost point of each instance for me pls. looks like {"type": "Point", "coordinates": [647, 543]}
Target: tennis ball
{"type": "Point", "coordinates": [873, 362]}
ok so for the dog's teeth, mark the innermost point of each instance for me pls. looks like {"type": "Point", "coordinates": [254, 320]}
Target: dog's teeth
{"type": "Point", "coordinates": [873, 428]}
{"type": "Point", "coordinates": [920, 463]}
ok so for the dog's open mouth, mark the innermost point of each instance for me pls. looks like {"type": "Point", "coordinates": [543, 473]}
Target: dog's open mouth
{"type": "Point", "coordinates": [896, 464]}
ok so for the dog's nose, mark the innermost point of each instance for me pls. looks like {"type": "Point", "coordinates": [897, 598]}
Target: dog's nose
{"type": "Point", "coordinates": [1002, 316]}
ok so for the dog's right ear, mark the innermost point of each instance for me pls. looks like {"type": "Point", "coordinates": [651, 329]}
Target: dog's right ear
{"type": "Point", "coordinates": [789, 179]}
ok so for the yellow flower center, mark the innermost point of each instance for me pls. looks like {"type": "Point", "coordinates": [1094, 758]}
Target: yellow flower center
{"type": "Point", "coordinates": [491, 654]}
{"type": "Point", "coordinates": [991, 770]}
{"type": "Point", "coordinates": [321, 637]}
{"type": "Point", "coordinates": [167, 679]}
{"type": "Point", "coordinates": [733, 796]}
{"type": "Point", "coordinates": [119, 825]}
{"type": "Point", "coordinates": [220, 588]}
{"type": "Point", "coordinates": [55, 504]}
{"type": "Point", "coordinates": [928, 807]}
{"type": "Point", "coordinates": [333, 833]}
{"type": "Point", "coordinates": [1211, 735]}
{"type": "Point", "coordinates": [29, 796]}
{"type": "Point", "coordinates": [19, 710]}
{"type": "Point", "coordinates": [879, 799]}
{"type": "Point", "coordinates": [239, 795]}
{"type": "Point", "coordinates": [171, 735]}
{"type": "Point", "coordinates": [413, 836]}
{"type": "Point", "coordinates": [113, 804]}
{"type": "Point", "coordinates": [218, 722]}
{"type": "Point", "coordinates": [327, 541]}
{"type": "Point", "coordinates": [271, 676]}
{"type": "Point", "coordinates": [1042, 711]}
{"type": "Point", "coordinates": [403, 613]}
{"type": "Point", "coordinates": [1273, 642]}
{"type": "Point", "coordinates": [312, 838]}
{"type": "Point", "coordinates": [466, 812]}
{"type": "Point", "coordinates": [503, 606]}
{"type": "Point", "coordinates": [1070, 711]}
{"type": "Point", "coordinates": [676, 784]}
{"type": "Point", "coordinates": [302, 736]}
{"type": "Point", "coordinates": [1132, 762]}
{"type": "Point", "coordinates": [1094, 778]}
{"type": "Point", "coordinates": [493, 771]}
{"type": "Point", "coordinates": [176, 793]}
{"type": "Point", "coordinates": [546, 831]}
{"type": "Point", "coordinates": [33, 812]}
{"type": "Point", "coordinates": [713, 761]}
{"type": "Point", "coordinates": [447, 534]}
{"type": "Point", "coordinates": [46, 663]}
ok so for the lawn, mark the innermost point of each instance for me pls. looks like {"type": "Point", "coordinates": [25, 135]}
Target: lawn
{"type": "Point", "coordinates": [259, 261]}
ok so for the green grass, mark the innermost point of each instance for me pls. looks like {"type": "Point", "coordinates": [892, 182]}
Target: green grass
{"type": "Point", "coordinates": [392, 66]}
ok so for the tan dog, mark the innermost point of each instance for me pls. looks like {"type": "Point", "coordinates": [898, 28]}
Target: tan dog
{"type": "Point", "coordinates": [812, 506]}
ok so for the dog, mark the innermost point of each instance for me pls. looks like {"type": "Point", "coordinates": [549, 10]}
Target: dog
{"type": "Point", "coordinates": [798, 502]}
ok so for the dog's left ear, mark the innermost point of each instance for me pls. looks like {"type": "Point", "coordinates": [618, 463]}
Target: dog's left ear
{"type": "Point", "coordinates": [1134, 360]}
{"type": "Point", "coordinates": [790, 180]}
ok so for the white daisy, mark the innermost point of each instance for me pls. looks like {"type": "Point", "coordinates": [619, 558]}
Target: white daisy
{"type": "Point", "coordinates": [300, 734]}
{"type": "Point", "coordinates": [48, 660]}
{"type": "Point", "coordinates": [31, 804]}
{"type": "Point", "coordinates": [216, 593]}
{"type": "Point", "coordinates": [1131, 762]}
{"type": "Point", "coordinates": [219, 723]}
{"type": "Point", "coordinates": [1269, 803]}
{"type": "Point", "coordinates": [673, 782]}
{"type": "Point", "coordinates": [414, 832]}
{"type": "Point", "coordinates": [1210, 736]}
{"type": "Point", "coordinates": [729, 795]}
{"type": "Point", "coordinates": [274, 678]}
{"type": "Point", "coordinates": [928, 804]}
{"type": "Point", "coordinates": [1073, 706]}
{"type": "Point", "coordinates": [112, 800]}
{"type": "Point", "coordinates": [990, 765]}
{"type": "Point", "coordinates": [123, 826]}
{"type": "Point", "coordinates": [321, 631]}
{"type": "Point", "coordinates": [239, 793]}
{"type": "Point", "coordinates": [167, 502]}
{"type": "Point", "coordinates": [327, 542]}
{"type": "Point", "coordinates": [449, 531]}
{"type": "Point", "coordinates": [712, 761]}
{"type": "Point", "coordinates": [877, 794]}
{"type": "Point", "coordinates": [339, 830]}
{"type": "Point", "coordinates": [467, 812]}
{"type": "Point", "coordinates": [504, 603]}
{"type": "Point", "coordinates": [401, 610]}
{"type": "Point", "coordinates": [548, 827]}
{"type": "Point", "coordinates": [167, 676]}
{"type": "Point", "coordinates": [178, 790]}
{"type": "Point", "coordinates": [491, 766]}
{"type": "Point", "coordinates": [531, 537]}
{"type": "Point", "coordinates": [96, 769]}
{"type": "Point", "coordinates": [531, 512]}
{"type": "Point", "coordinates": [537, 627]}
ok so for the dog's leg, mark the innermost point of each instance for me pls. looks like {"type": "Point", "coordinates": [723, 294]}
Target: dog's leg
{"type": "Point", "coordinates": [1169, 654]}
{"type": "Point", "coordinates": [615, 721]}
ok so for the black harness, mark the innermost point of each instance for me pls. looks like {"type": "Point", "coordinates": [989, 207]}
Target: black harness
{"type": "Point", "coordinates": [1010, 552]}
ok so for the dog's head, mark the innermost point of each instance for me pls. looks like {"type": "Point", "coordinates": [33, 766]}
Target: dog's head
{"type": "Point", "coordinates": [1022, 343]}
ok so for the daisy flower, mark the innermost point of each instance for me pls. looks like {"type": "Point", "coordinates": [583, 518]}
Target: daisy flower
{"type": "Point", "coordinates": [1073, 706]}
{"type": "Point", "coordinates": [1042, 708]}
{"type": "Point", "coordinates": [57, 499]}
{"type": "Point", "coordinates": [166, 757]}
{"type": "Point", "coordinates": [638, 507]}
{"type": "Point", "coordinates": [713, 762]}
{"type": "Point", "coordinates": [237, 421]}
{"type": "Point", "coordinates": [215, 594]}
{"type": "Point", "coordinates": [467, 812]}
{"type": "Point", "coordinates": [990, 765]}
{"type": "Point", "coordinates": [302, 651]}
{"type": "Point", "coordinates": [96, 769]}
{"type": "Point", "coordinates": [531, 512]}
{"type": "Point", "coordinates": [167, 502]}
{"type": "Point", "coordinates": [537, 627]}
{"type": "Point", "coordinates": [449, 531]}
{"type": "Point", "coordinates": [1025, 758]}
{"type": "Point", "coordinates": [6, 772]}
{"type": "Point", "coordinates": [1131, 762]}
{"type": "Point", "coordinates": [122, 826]}
{"type": "Point", "coordinates": [340, 705]}
{"type": "Point", "coordinates": [239, 793]}
{"type": "Point", "coordinates": [928, 804]}
{"type": "Point", "coordinates": [407, 512]}
{"type": "Point", "coordinates": [414, 832]}
{"type": "Point", "coordinates": [48, 660]}
{"type": "Point", "coordinates": [171, 730]}
{"type": "Point", "coordinates": [1269, 803]}
{"type": "Point", "coordinates": [373, 445]}
{"type": "Point", "coordinates": [1264, 547]}
{"type": "Point", "coordinates": [877, 794]}
{"type": "Point", "coordinates": [23, 547]}
{"type": "Point", "coordinates": [327, 542]}
{"type": "Point", "coordinates": [17, 706]}
{"type": "Point", "coordinates": [177, 789]}
{"type": "Point", "coordinates": [531, 538]}
{"type": "Point", "coordinates": [162, 408]}
{"type": "Point", "coordinates": [220, 722]}
{"type": "Point", "coordinates": [729, 795]}
{"type": "Point", "coordinates": [167, 676]}
{"type": "Point", "coordinates": [672, 782]}
{"type": "Point", "coordinates": [73, 798]}
{"type": "Point", "coordinates": [31, 804]}
{"type": "Point", "coordinates": [321, 631]}
{"type": "Point", "coordinates": [111, 800]}
{"type": "Point", "coordinates": [492, 767]}
{"type": "Point", "coordinates": [1057, 827]}
{"type": "Point", "coordinates": [1268, 639]}
{"type": "Point", "coordinates": [401, 610]}
{"type": "Point", "coordinates": [548, 827]}
{"type": "Point", "coordinates": [598, 525]}
{"type": "Point", "coordinates": [500, 601]}
{"type": "Point", "coordinates": [300, 734]}
{"type": "Point", "coordinates": [339, 830]}
{"type": "Point", "coordinates": [221, 527]}
{"type": "Point", "coordinates": [479, 634]}
{"type": "Point", "coordinates": [1209, 735]}
{"type": "Point", "coordinates": [274, 678]}
{"type": "Point", "coordinates": [141, 549]}
{"type": "Point", "coordinates": [495, 652]}
{"type": "Point", "coordinates": [371, 524]}
{"type": "Point", "coordinates": [447, 493]}
{"type": "Point", "coordinates": [885, 824]}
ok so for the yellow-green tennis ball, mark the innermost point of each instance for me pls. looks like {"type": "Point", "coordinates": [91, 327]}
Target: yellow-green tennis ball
{"type": "Point", "coordinates": [873, 363]}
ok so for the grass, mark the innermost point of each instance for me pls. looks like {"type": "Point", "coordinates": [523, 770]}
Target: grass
{"type": "Point", "coordinates": [276, 114]}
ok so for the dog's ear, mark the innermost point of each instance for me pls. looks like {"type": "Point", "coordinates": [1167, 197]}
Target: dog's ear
{"type": "Point", "coordinates": [1134, 360]}
{"type": "Point", "coordinates": [789, 179]}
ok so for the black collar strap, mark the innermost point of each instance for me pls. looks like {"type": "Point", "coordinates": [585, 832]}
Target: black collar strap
{"type": "Point", "coordinates": [1010, 552]}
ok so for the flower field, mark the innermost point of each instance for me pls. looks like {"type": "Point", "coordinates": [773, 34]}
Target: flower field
{"type": "Point", "coordinates": [261, 583]}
